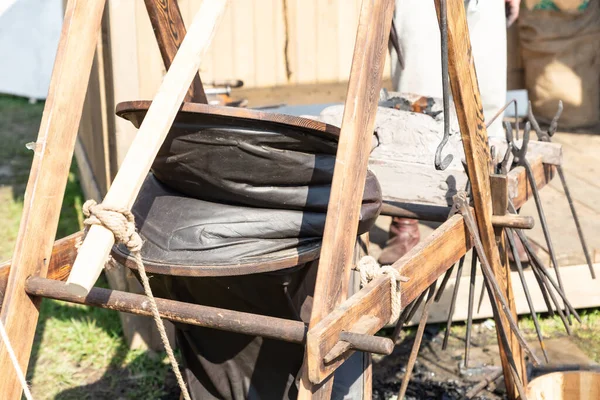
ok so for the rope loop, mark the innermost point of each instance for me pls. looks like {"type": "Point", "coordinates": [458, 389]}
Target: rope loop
{"type": "Point", "coordinates": [119, 221]}
{"type": "Point", "coordinates": [370, 269]}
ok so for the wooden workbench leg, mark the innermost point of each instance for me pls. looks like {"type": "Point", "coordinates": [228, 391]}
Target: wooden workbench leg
{"type": "Point", "coordinates": [47, 182]}
{"type": "Point", "coordinates": [465, 91]}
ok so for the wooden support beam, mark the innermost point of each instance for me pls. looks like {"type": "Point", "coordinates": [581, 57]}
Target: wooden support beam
{"type": "Point", "coordinates": [96, 247]}
{"type": "Point", "coordinates": [169, 30]}
{"type": "Point", "coordinates": [47, 182]}
{"type": "Point", "coordinates": [349, 174]}
{"type": "Point", "coordinates": [61, 260]}
{"type": "Point", "coordinates": [467, 101]}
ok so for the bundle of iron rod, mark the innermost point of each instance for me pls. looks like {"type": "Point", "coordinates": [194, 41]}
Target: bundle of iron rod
{"type": "Point", "coordinates": [550, 284]}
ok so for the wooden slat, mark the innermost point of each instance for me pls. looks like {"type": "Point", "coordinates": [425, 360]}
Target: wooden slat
{"type": "Point", "coordinates": [327, 43]}
{"type": "Point", "coordinates": [465, 91]}
{"type": "Point", "coordinates": [149, 63]}
{"type": "Point", "coordinates": [372, 301]}
{"type": "Point", "coordinates": [47, 181]}
{"type": "Point", "coordinates": [245, 13]}
{"type": "Point", "coordinates": [350, 171]}
{"type": "Point", "coordinates": [169, 29]}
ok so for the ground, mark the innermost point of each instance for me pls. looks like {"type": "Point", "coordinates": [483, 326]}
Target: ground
{"type": "Point", "coordinates": [80, 353]}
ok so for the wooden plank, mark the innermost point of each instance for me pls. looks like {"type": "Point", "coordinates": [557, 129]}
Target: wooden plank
{"type": "Point", "coordinates": [47, 182]}
{"type": "Point", "coordinates": [95, 249]}
{"type": "Point", "coordinates": [279, 38]}
{"type": "Point", "coordinates": [61, 260]}
{"type": "Point", "coordinates": [264, 40]}
{"type": "Point", "coordinates": [327, 45]}
{"type": "Point", "coordinates": [86, 174]}
{"type": "Point", "coordinates": [245, 17]}
{"type": "Point", "coordinates": [222, 56]}
{"type": "Point", "coordinates": [150, 66]}
{"type": "Point", "coordinates": [123, 79]}
{"type": "Point", "coordinates": [373, 300]}
{"type": "Point", "coordinates": [305, 38]}
{"type": "Point", "coordinates": [349, 174]}
{"type": "Point", "coordinates": [169, 29]}
{"type": "Point", "coordinates": [465, 91]}
{"type": "Point", "coordinates": [519, 191]}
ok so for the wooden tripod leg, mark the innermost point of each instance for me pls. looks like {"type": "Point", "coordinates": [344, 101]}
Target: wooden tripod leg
{"type": "Point", "coordinates": [350, 171]}
{"type": "Point", "coordinates": [47, 181]}
{"type": "Point", "coordinates": [169, 30]}
{"type": "Point", "coordinates": [465, 91]}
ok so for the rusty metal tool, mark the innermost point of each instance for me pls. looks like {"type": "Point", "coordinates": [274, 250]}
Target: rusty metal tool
{"type": "Point", "coordinates": [414, 352]}
{"type": "Point", "coordinates": [546, 136]}
{"type": "Point", "coordinates": [453, 302]}
{"type": "Point", "coordinates": [521, 159]}
{"type": "Point", "coordinates": [396, 44]}
{"type": "Point", "coordinates": [536, 262]}
{"type": "Point", "coordinates": [539, 270]}
{"type": "Point", "coordinates": [504, 339]}
{"type": "Point", "coordinates": [510, 236]}
{"type": "Point", "coordinates": [460, 200]}
{"type": "Point", "coordinates": [445, 280]}
{"type": "Point", "coordinates": [407, 315]}
{"type": "Point", "coordinates": [440, 164]}
{"type": "Point", "coordinates": [470, 306]}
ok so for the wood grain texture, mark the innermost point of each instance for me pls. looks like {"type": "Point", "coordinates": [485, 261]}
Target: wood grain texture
{"type": "Point", "coordinates": [126, 109]}
{"type": "Point", "coordinates": [47, 181]}
{"type": "Point", "coordinates": [513, 221]}
{"type": "Point", "coordinates": [465, 91]}
{"type": "Point", "coordinates": [350, 169]}
{"type": "Point", "coordinates": [169, 30]}
{"type": "Point", "coordinates": [63, 255]}
{"type": "Point", "coordinates": [96, 247]}
{"type": "Point", "coordinates": [373, 300]}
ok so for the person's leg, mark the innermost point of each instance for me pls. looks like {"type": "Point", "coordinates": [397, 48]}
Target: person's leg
{"type": "Point", "coordinates": [404, 235]}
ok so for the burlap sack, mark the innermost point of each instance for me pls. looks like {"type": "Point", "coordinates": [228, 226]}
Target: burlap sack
{"type": "Point", "coordinates": [569, 6]}
{"type": "Point", "coordinates": [561, 56]}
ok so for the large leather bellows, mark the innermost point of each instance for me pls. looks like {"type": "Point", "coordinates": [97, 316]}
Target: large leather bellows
{"type": "Point", "coordinates": [228, 190]}
{"type": "Point", "coordinates": [235, 205]}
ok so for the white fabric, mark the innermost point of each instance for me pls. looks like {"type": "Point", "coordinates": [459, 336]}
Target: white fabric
{"type": "Point", "coordinates": [419, 37]}
{"type": "Point", "coordinates": [29, 35]}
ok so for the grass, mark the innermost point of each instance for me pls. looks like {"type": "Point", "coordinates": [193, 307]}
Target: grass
{"type": "Point", "coordinates": [79, 352]}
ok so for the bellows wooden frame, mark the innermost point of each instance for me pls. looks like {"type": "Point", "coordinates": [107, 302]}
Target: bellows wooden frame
{"type": "Point", "coordinates": [40, 266]}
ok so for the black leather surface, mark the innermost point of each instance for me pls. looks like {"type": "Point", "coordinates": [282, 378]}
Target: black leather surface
{"type": "Point", "coordinates": [225, 192]}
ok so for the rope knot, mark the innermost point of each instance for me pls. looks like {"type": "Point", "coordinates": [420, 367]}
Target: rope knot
{"type": "Point", "coordinates": [119, 221]}
{"type": "Point", "coordinates": [370, 269]}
